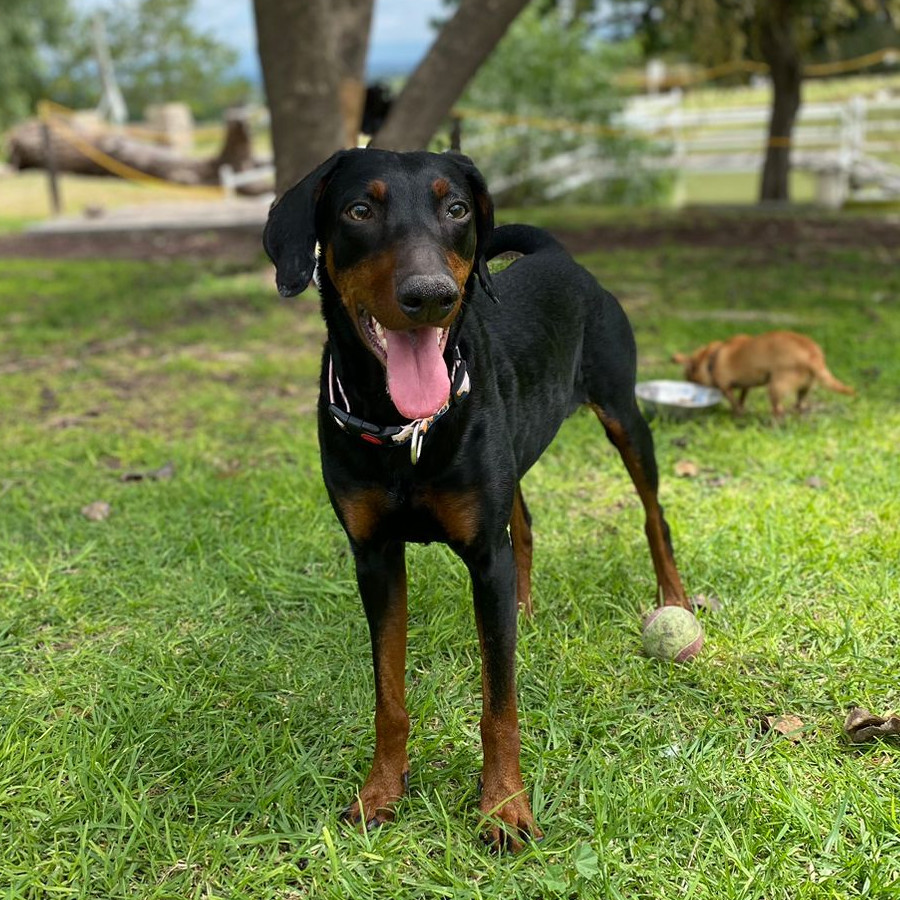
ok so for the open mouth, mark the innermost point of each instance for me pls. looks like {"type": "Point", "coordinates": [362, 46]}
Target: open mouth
{"type": "Point", "coordinates": [417, 376]}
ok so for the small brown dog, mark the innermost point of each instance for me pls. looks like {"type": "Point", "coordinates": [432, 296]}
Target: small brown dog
{"type": "Point", "coordinates": [784, 360]}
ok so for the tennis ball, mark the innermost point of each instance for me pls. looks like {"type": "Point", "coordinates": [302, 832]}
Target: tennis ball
{"type": "Point", "coordinates": [671, 632]}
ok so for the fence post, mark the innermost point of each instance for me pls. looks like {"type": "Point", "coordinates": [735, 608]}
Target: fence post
{"type": "Point", "coordinates": [675, 122]}
{"type": "Point", "coordinates": [456, 133]}
{"type": "Point", "coordinates": [52, 172]}
{"type": "Point", "coordinates": [858, 131]}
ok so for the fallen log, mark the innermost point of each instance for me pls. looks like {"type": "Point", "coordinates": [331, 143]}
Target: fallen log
{"type": "Point", "coordinates": [82, 148]}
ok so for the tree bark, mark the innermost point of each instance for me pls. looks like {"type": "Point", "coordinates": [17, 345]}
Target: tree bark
{"type": "Point", "coordinates": [298, 45]}
{"type": "Point", "coordinates": [779, 49]}
{"type": "Point", "coordinates": [354, 22]}
{"type": "Point", "coordinates": [462, 45]}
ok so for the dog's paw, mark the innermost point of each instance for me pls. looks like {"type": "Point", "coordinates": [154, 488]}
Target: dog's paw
{"type": "Point", "coordinates": [509, 821]}
{"type": "Point", "coordinates": [375, 804]}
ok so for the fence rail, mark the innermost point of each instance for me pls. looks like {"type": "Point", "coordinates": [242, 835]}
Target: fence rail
{"type": "Point", "coordinates": [852, 148]}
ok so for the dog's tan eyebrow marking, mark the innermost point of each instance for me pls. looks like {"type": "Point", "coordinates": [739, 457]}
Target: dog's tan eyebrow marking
{"type": "Point", "coordinates": [441, 188]}
{"type": "Point", "coordinates": [378, 189]}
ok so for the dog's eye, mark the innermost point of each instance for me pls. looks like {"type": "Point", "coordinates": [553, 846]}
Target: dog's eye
{"type": "Point", "coordinates": [359, 212]}
{"type": "Point", "coordinates": [457, 210]}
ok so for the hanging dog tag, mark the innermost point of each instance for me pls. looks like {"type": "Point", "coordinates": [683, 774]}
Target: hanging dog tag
{"type": "Point", "coordinates": [415, 445]}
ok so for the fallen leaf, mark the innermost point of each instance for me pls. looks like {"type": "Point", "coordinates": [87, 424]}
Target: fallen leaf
{"type": "Point", "coordinates": [685, 468]}
{"type": "Point", "coordinates": [814, 482]}
{"type": "Point", "coordinates": [96, 511]}
{"type": "Point", "coordinates": [789, 726]}
{"type": "Point", "coordinates": [702, 601]}
{"type": "Point", "coordinates": [718, 481]}
{"type": "Point", "coordinates": [861, 726]}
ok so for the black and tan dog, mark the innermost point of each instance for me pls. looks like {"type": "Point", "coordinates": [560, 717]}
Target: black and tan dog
{"type": "Point", "coordinates": [441, 386]}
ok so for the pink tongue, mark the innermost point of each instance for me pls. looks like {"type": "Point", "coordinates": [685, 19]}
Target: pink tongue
{"type": "Point", "coordinates": [416, 372]}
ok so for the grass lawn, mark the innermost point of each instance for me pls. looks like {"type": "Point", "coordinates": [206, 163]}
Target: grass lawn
{"type": "Point", "coordinates": [185, 688]}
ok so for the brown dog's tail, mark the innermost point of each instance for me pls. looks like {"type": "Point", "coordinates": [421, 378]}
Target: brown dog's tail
{"type": "Point", "coordinates": [827, 380]}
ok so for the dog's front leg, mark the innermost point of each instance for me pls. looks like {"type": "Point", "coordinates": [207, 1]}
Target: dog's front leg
{"type": "Point", "coordinates": [504, 802]}
{"type": "Point", "coordinates": [381, 575]}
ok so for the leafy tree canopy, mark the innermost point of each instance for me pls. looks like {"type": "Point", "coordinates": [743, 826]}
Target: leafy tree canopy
{"type": "Point", "coordinates": [549, 67]}
{"type": "Point", "coordinates": [159, 55]}
{"type": "Point", "coordinates": [28, 29]}
{"type": "Point", "coordinates": [552, 67]}
{"type": "Point", "coordinates": [716, 31]}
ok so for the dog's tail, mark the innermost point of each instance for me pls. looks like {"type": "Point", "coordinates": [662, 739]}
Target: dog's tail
{"type": "Point", "coordinates": [827, 380]}
{"type": "Point", "coordinates": [524, 239]}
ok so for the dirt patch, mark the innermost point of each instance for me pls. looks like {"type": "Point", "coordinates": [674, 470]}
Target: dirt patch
{"type": "Point", "coordinates": [745, 229]}
{"type": "Point", "coordinates": [741, 230]}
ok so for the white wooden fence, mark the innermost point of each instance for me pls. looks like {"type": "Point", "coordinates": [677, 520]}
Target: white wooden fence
{"type": "Point", "coordinates": [853, 147]}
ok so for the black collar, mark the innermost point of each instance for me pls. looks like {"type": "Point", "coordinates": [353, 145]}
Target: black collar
{"type": "Point", "coordinates": [412, 433]}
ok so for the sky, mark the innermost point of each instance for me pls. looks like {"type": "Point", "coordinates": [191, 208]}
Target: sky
{"type": "Point", "coordinates": [400, 32]}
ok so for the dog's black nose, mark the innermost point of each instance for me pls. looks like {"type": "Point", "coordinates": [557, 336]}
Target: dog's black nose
{"type": "Point", "coordinates": [427, 298]}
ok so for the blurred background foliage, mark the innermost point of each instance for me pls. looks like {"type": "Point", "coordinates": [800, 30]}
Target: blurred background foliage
{"type": "Point", "coordinates": [549, 68]}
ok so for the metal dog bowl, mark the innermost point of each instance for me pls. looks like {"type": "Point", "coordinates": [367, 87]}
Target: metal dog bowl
{"type": "Point", "coordinates": [676, 399]}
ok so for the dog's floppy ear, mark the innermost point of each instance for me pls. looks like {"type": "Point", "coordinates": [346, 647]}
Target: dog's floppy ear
{"type": "Point", "coordinates": [680, 358]}
{"type": "Point", "coordinates": [484, 220]}
{"type": "Point", "coordinates": [290, 236]}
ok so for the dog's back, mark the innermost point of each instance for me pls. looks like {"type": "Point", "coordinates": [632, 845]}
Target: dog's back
{"type": "Point", "coordinates": [747, 362]}
{"type": "Point", "coordinates": [544, 336]}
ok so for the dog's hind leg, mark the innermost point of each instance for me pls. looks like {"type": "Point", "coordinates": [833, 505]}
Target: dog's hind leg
{"type": "Point", "coordinates": [630, 435]}
{"type": "Point", "coordinates": [609, 369]}
{"type": "Point", "coordinates": [381, 575]}
{"type": "Point", "coordinates": [520, 533]}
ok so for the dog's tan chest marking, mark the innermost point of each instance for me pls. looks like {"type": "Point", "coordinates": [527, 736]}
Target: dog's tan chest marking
{"type": "Point", "coordinates": [458, 513]}
{"type": "Point", "coordinates": [362, 510]}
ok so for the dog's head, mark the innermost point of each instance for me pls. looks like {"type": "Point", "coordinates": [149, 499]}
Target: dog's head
{"type": "Point", "coordinates": [402, 238]}
{"type": "Point", "coordinates": [697, 365]}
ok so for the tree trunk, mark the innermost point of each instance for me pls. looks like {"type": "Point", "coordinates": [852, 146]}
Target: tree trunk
{"type": "Point", "coordinates": [463, 44]}
{"type": "Point", "coordinates": [779, 50]}
{"type": "Point", "coordinates": [354, 21]}
{"type": "Point", "coordinates": [298, 45]}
